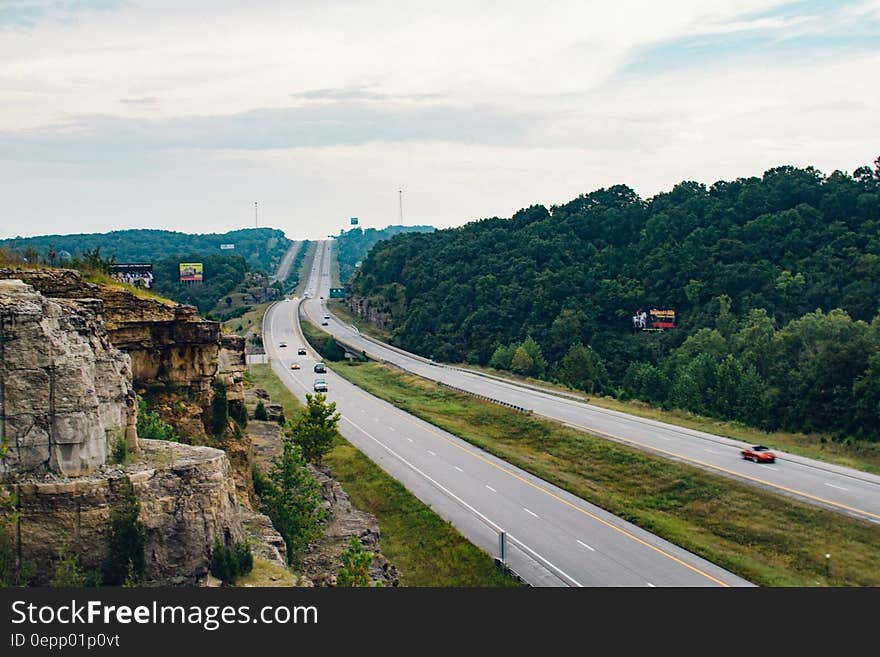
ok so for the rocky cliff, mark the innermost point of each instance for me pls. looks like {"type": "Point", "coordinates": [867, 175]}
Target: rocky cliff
{"type": "Point", "coordinates": [65, 390]}
{"type": "Point", "coordinates": [169, 344]}
{"type": "Point", "coordinates": [67, 394]}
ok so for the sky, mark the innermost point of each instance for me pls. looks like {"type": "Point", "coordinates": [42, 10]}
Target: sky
{"type": "Point", "coordinates": [182, 114]}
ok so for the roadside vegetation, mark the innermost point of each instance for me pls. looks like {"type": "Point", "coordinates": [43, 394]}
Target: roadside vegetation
{"type": "Point", "coordinates": [427, 550]}
{"type": "Point", "coordinates": [766, 538]}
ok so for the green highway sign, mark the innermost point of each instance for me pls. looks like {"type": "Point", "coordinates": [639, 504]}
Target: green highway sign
{"type": "Point", "coordinates": [337, 293]}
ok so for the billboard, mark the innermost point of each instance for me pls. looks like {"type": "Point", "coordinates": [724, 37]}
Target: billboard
{"type": "Point", "coordinates": [190, 271]}
{"type": "Point", "coordinates": [227, 247]}
{"type": "Point", "coordinates": [353, 221]}
{"type": "Point", "coordinates": [139, 274]}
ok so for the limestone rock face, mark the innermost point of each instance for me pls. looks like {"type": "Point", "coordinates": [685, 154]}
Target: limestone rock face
{"type": "Point", "coordinates": [167, 343]}
{"type": "Point", "coordinates": [65, 390]}
{"type": "Point", "coordinates": [187, 497]}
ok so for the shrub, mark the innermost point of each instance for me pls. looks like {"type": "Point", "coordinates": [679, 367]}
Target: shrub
{"type": "Point", "coordinates": [260, 411]}
{"type": "Point", "coordinates": [230, 563]}
{"type": "Point", "coordinates": [125, 561]}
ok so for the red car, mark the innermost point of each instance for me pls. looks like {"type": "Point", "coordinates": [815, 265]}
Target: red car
{"type": "Point", "coordinates": [294, 366]}
{"type": "Point", "coordinates": [758, 454]}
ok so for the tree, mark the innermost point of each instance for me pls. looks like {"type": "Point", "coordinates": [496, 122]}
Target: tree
{"type": "Point", "coordinates": [219, 419]}
{"type": "Point", "coordinates": [533, 349]}
{"type": "Point", "coordinates": [316, 427]}
{"type": "Point", "coordinates": [126, 539]}
{"type": "Point", "coordinates": [260, 412]}
{"type": "Point", "coordinates": [355, 570]}
{"type": "Point", "coordinates": [289, 496]}
{"type": "Point", "coordinates": [582, 368]}
{"type": "Point", "coordinates": [502, 356]}
{"type": "Point", "coordinates": [522, 363]}
{"type": "Point", "coordinates": [67, 571]}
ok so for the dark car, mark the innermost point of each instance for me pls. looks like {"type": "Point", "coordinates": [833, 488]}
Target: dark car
{"type": "Point", "coordinates": [320, 368]}
{"type": "Point", "coordinates": [282, 344]}
{"type": "Point", "coordinates": [758, 454]}
{"type": "Point", "coordinates": [301, 351]}
{"type": "Point", "coordinates": [325, 323]}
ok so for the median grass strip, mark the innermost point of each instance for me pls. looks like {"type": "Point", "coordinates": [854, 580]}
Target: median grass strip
{"type": "Point", "coordinates": [427, 550]}
{"type": "Point", "coordinates": [766, 538]}
{"type": "Point", "coordinates": [857, 454]}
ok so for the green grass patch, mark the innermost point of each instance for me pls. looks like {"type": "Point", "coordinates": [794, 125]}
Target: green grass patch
{"type": "Point", "coordinates": [427, 550]}
{"type": "Point", "coordinates": [338, 308]}
{"type": "Point", "coordinates": [857, 454]}
{"type": "Point", "coordinates": [766, 538]}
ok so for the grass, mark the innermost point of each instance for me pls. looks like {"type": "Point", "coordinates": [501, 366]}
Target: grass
{"type": "Point", "coordinates": [254, 316]}
{"type": "Point", "coordinates": [338, 308]}
{"type": "Point", "coordinates": [860, 455]}
{"type": "Point", "coordinates": [304, 268]}
{"type": "Point", "coordinates": [427, 550]}
{"type": "Point", "coordinates": [265, 574]}
{"type": "Point", "coordinates": [763, 537]}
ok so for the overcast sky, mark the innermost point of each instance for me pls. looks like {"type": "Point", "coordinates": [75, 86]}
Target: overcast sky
{"type": "Point", "coordinates": [180, 114]}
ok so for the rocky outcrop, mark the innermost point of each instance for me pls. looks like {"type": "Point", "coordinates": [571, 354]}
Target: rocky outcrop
{"type": "Point", "coordinates": [375, 313]}
{"type": "Point", "coordinates": [187, 499]}
{"type": "Point", "coordinates": [169, 344]}
{"type": "Point", "coordinates": [65, 390]}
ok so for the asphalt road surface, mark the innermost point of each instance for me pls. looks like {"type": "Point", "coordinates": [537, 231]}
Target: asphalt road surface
{"type": "Point", "coordinates": [552, 538]}
{"type": "Point", "coordinates": [283, 270]}
{"type": "Point", "coordinates": [833, 487]}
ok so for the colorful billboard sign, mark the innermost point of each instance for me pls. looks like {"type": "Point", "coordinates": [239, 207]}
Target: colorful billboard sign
{"type": "Point", "coordinates": [190, 271]}
{"type": "Point", "coordinates": [139, 274]}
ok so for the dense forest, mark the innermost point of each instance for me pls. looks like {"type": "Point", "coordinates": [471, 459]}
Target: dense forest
{"type": "Point", "coordinates": [775, 282]}
{"type": "Point", "coordinates": [261, 248]}
{"type": "Point", "coordinates": [353, 245]}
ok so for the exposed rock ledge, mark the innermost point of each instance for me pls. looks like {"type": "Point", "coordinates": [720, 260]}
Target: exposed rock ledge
{"type": "Point", "coordinates": [187, 497]}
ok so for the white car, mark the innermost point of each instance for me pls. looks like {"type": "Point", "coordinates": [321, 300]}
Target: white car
{"type": "Point", "coordinates": [320, 385]}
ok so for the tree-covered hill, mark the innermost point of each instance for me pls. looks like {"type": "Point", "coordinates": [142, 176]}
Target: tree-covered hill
{"type": "Point", "coordinates": [775, 281]}
{"type": "Point", "coordinates": [354, 244]}
{"type": "Point", "coordinates": [261, 248]}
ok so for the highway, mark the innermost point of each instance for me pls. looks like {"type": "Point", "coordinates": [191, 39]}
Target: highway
{"type": "Point", "coordinates": [552, 537]}
{"type": "Point", "coordinates": [283, 270]}
{"type": "Point", "coordinates": [833, 487]}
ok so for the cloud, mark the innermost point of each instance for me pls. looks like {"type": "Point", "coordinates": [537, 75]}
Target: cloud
{"type": "Point", "coordinates": [83, 139]}
{"type": "Point", "coordinates": [27, 13]}
{"type": "Point", "coordinates": [145, 100]}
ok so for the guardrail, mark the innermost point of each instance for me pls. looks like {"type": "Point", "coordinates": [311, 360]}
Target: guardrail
{"type": "Point", "coordinates": [520, 409]}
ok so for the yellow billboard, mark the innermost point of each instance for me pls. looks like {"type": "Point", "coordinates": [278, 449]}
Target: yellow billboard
{"type": "Point", "coordinates": [190, 271]}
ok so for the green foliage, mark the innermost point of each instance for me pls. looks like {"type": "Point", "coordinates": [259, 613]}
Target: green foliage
{"type": "Point", "coordinates": [228, 563]}
{"type": "Point", "coordinates": [261, 248]}
{"type": "Point", "coordinates": [119, 449]}
{"type": "Point", "coordinates": [292, 280]}
{"type": "Point", "coordinates": [238, 412]}
{"type": "Point", "coordinates": [125, 561]}
{"type": "Point", "coordinates": [222, 274]}
{"type": "Point", "coordinates": [316, 427]}
{"type": "Point", "coordinates": [355, 570]}
{"type": "Point", "coordinates": [582, 368]}
{"type": "Point", "coordinates": [67, 570]}
{"type": "Point", "coordinates": [288, 494]}
{"type": "Point", "coordinates": [775, 281]}
{"type": "Point", "coordinates": [353, 245]}
{"type": "Point", "coordinates": [150, 426]}
{"type": "Point", "coordinates": [219, 418]}
{"type": "Point", "coordinates": [260, 411]}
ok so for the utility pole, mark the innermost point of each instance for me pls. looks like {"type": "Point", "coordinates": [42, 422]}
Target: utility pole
{"type": "Point", "coordinates": [400, 198]}
{"type": "Point", "coordinates": [256, 221]}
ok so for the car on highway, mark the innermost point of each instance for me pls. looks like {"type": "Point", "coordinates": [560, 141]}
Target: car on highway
{"type": "Point", "coordinates": [320, 368]}
{"type": "Point", "coordinates": [301, 351]}
{"type": "Point", "coordinates": [758, 454]}
{"type": "Point", "coordinates": [326, 316]}
{"type": "Point", "coordinates": [295, 366]}
{"type": "Point", "coordinates": [282, 344]}
{"type": "Point", "coordinates": [320, 385]}
{"type": "Point", "coordinates": [325, 323]}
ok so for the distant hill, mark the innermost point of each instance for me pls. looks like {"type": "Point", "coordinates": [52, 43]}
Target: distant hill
{"type": "Point", "coordinates": [261, 248]}
{"type": "Point", "coordinates": [775, 281]}
{"type": "Point", "coordinates": [353, 245]}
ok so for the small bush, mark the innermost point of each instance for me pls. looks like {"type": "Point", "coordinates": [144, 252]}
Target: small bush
{"type": "Point", "coordinates": [67, 571]}
{"type": "Point", "coordinates": [230, 563]}
{"type": "Point", "coordinates": [119, 449]}
{"type": "Point", "coordinates": [125, 561]}
{"type": "Point", "coordinates": [260, 411]}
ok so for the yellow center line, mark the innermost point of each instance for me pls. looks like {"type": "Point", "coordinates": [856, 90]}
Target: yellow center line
{"type": "Point", "coordinates": [712, 466]}
{"type": "Point", "coordinates": [550, 493]}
